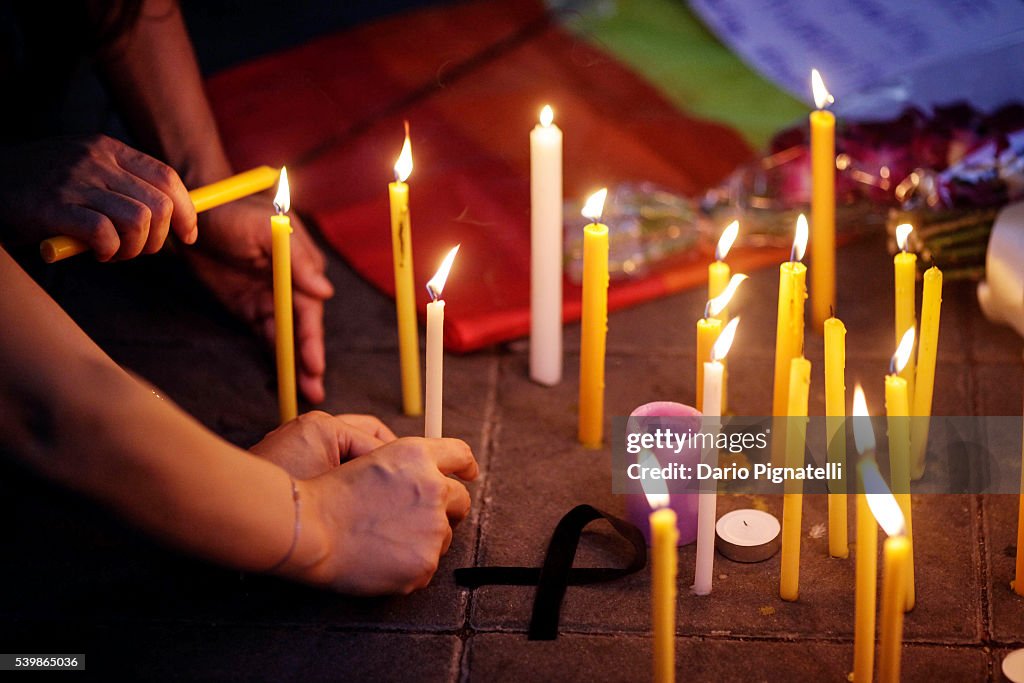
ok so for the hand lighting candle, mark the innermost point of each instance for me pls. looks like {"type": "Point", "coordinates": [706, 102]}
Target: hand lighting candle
{"type": "Point", "coordinates": [895, 566]}
{"type": "Point", "coordinates": [897, 412]}
{"type": "Point", "coordinates": [435, 347]}
{"type": "Point", "coordinates": [284, 341]}
{"type": "Point", "coordinates": [835, 432]}
{"type": "Point", "coordinates": [924, 381]}
{"type": "Point", "coordinates": [708, 329]}
{"type": "Point", "coordinates": [905, 266]}
{"type": "Point", "coordinates": [664, 563]}
{"type": "Point", "coordinates": [865, 592]}
{"type": "Point", "coordinates": [594, 323]}
{"type": "Point", "coordinates": [793, 499]}
{"type": "Point", "coordinates": [405, 299]}
{"type": "Point", "coordinates": [823, 204]}
{"type": "Point", "coordinates": [546, 251]}
{"type": "Point", "coordinates": [203, 199]}
{"type": "Point", "coordinates": [789, 331]}
{"type": "Point", "coordinates": [708, 502]}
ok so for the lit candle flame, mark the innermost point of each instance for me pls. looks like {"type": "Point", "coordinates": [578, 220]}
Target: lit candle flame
{"type": "Point", "coordinates": [900, 359]}
{"type": "Point", "coordinates": [799, 239]}
{"type": "Point", "coordinates": [863, 432]}
{"type": "Point", "coordinates": [903, 231]}
{"type": "Point", "coordinates": [880, 499]}
{"type": "Point", "coordinates": [656, 490]}
{"type": "Point", "coordinates": [594, 206]}
{"type": "Point", "coordinates": [721, 347]}
{"type": "Point", "coordinates": [403, 167]}
{"type": "Point", "coordinates": [726, 240]}
{"type": "Point", "coordinates": [436, 284]}
{"type": "Point", "coordinates": [546, 115]}
{"type": "Point", "coordinates": [716, 305]}
{"type": "Point", "coordinates": [283, 198]}
{"type": "Point", "coordinates": [822, 97]}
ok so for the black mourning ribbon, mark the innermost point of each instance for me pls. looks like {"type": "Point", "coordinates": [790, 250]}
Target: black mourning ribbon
{"type": "Point", "coordinates": [557, 573]}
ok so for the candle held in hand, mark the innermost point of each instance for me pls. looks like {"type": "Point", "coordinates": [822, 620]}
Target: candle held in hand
{"type": "Point", "coordinates": [435, 347]}
{"type": "Point", "coordinates": [546, 251]}
{"type": "Point", "coordinates": [594, 322]}
{"type": "Point", "coordinates": [203, 199]}
{"type": "Point", "coordinates": [284, 340]}
{"type": "Point", "coordinates": [405, 299]}
{"type": "Point", "coordinates": [823, 204]}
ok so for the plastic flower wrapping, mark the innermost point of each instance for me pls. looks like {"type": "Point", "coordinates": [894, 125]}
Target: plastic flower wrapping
{"type": "Point", "coordinates": [948, 173]}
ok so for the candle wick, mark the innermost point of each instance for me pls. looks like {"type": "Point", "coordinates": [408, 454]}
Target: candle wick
{"type": "Point", "coordinates": [434, 294]}
{"type": "Point", "coordinates": [279, 209]}
{"type": "Point", "coordinates": [745, 523]}
{"type": "Point", "coordinates": [831, 311]}
{"type": "Point", "coordinates": [707, 310]}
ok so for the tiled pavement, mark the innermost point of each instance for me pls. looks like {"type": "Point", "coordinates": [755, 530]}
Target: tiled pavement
{"type": "Point", "coordinates": [79, 581]}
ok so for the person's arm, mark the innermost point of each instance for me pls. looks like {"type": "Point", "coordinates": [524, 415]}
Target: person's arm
{"type": "Point", "coordinates": [154, 75]}
{"type": "Point", "coordinates": [375, 524]}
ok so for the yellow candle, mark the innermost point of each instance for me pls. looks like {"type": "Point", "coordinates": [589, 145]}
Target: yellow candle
{"type": "Point", "coordinates": [789, 331]}
{"type": "Point", "coordinates": [594, 323]}
{"type": "Point", "coordinates": [896, 566]}
{"type": "Point", "coordinates": [793, 500]}
{"type": "Point", "coordinates": [405, 299]}
{"type": "Point", "coordinates": [835, 430]}
{"type": "Point", "coordinates": [719, 273]}
{"type": "Point", "coordinates": [823, 205]}
{"type": "Point", "coordinates": [865, 591]}
{"type": "Point", "coordinates": [665, 557]}
{"type": "Point", "coordinates": [905, 265]}
{"type": "Point", "coordinates": [203, 198]}
{"type": "Point", "coordinates": [281, 254]}
{"type": "Point", "coordinates": [897, 412]}
{"type": "Point", "coordinates": [927, 349]}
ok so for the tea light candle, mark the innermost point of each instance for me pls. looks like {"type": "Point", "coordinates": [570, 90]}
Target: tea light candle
{"type": "Point", "coordinates": [747, 535]}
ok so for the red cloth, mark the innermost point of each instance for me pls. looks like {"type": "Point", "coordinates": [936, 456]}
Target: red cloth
{"type": "Point", "coordinates": [470, 79]}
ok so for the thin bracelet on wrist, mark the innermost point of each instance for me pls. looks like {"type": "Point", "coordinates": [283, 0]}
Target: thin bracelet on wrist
{"type": "Point", "coordinates": [298, 528]}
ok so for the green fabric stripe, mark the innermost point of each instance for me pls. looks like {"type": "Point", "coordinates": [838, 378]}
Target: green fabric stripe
{"type": "Point", "coordinates": [665, 42]}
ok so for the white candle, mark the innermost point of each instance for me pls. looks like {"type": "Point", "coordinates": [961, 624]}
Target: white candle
{"type": "Point", "coordinates": [546, 251]}
{"type": "Point", "coordinates": [707, 506]}
{"type": "Point", "coordinates": [435, 348]}
{"type": "Point", "coordinates": [748, 535]}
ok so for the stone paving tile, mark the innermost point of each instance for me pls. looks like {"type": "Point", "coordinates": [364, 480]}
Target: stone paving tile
{"type": "Point", "coordinates": [1005, 607]}
{"type": "Point", "coordinates": [575, 657]}
{"type": "Point", "coordinates": [213, 651]}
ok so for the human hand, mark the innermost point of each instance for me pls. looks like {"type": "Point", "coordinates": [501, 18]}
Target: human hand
{"type": "Point", "coordinates": [116, 199]}
{"type": "Point", "coordinates": [387, 516]}
{"type": "Point", "coordinates": [233, 259]}
{"type": "Point", "coordinates": [316, 442]}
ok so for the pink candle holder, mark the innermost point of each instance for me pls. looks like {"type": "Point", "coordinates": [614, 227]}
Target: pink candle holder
{"type": "Point", "coordinates": [647, 418]}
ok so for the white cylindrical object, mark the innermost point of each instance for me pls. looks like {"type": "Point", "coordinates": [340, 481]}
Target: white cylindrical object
{"type": "Point", "coordinates": [546, 254]}
{"type": "Point", "coordinates": [707, 506]}
{"type": "Point", "coordinates": [1001, 295]}
{"type": "Point", "coordinates": [435, 369]}
{"type": "Point", "coordinates": [748, 535]}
